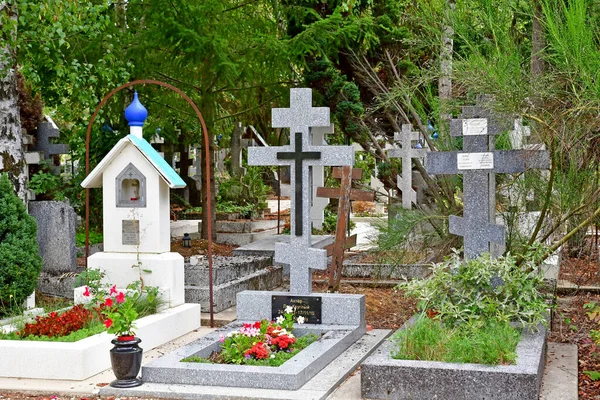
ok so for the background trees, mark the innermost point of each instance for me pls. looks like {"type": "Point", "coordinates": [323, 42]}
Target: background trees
{"type": "Point", "coordinates": [377, 64]}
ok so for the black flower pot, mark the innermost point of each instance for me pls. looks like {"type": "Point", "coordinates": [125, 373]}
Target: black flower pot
{"type": "Point", "coordinates": [126, 361]}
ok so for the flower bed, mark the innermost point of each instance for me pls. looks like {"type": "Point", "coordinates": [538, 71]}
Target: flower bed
{"type": "Point", "coordinates": [90, 356]}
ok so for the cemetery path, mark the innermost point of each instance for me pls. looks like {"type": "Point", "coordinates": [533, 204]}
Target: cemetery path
{"type": "Point", "coordinates": [571, 322]}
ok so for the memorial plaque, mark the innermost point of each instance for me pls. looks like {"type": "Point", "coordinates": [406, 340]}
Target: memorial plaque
{"type": "Point", "coordinates": [474, 126]}
{"type": "Point", "coordinates": [475, 160]}
{"type": "Point", "coordinates": [131, 232]}
{"type": "Point", "coordinates": [305, 306]}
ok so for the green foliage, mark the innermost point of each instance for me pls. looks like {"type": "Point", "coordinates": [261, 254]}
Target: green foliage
{"type": "Point", "coordinates": [20, 263]}
{"type": "Point", "coordinates": [484, 289]}
{"type": "Point", "coordinates": [94, 238]}
{"type": "Point", "coordinates": [246, 196]}
{"type": "Point", "coordinates": [594, 375]}
{"type": "Point", "coordinates": [493, 343]}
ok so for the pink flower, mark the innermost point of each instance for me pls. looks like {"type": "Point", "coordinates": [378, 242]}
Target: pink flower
{"type": "Point", "coordinates": [107, 323]}
{"type": "Point", "coordinates": [108, 302]}
{"type": "Point", "coordinates": [120, 297]}
{"type": "Point", "coordinates": [86, 292]}
{"type": "Point", "coordinates": [221, 338]}
{"type": "Point", "coordinates": [113, 290]}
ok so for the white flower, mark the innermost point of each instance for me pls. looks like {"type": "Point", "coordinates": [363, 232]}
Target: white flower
{"type": "Point", "coordinates": [280, 319]}
{"type": "Point", "coordinates": [289, 310]}
{"type": "Point", "coordinates": [272, 355]}
{"type": "Point", "coordinates": [300, 319]}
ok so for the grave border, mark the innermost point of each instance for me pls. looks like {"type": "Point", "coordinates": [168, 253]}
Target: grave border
{"type": "Point", "coordinates": [80, 360]}
{"type": "Point", "coordinates": [383, 377]}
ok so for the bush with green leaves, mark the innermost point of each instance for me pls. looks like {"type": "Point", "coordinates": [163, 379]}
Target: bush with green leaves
{"type": "Point", "coordinates": [478, 290]}
{"type": "Point", "coordinates": [20, 262]}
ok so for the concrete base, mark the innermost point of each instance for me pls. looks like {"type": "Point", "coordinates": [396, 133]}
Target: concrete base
{"type": "Point", "coordinates": [385, 271]}
{"type": "Point", "coordinates": [318, 388]}
{"type": "Point", "coordinates": [560, 375]}
{"type": "Point", "coordinates": [87, 357]}
{"type": "Point", "coordinates": [241, 239]}
{"type": "Point", "coordinates": [60, 286]}
{"type": "Point", "coordinates": [231, 275]}
{"type": "Point", "coordinates": [266, 247]}
{"type": "Point", "coordinates": [164, 270]}
{"type": "Point", "coordinates": [191, 226]}
{"type": "Point", "coordinates": [292, 375]}
{"type": "Point", "coordinates": [224, 294]}
{"type": "Point", "coordinates": [386, 378]}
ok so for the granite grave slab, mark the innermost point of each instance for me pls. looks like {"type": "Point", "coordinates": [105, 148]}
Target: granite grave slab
{"type": "Point", "coordinates": [383, 377]}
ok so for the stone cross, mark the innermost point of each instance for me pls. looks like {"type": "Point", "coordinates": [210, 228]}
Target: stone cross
{"type": "Point", "coordinates": [45, 132]}
{"type": "Point", "coordinates": [299, 155]}
{"type": "Point", "coordinates": [406, 153]}
{"type": "Point", "coordinates": [318, 178]}
{"type": "Point", "coordinates": [477, 162]}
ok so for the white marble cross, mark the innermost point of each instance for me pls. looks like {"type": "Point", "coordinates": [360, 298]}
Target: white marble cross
{"type": "Point", "coordinates": [299, 155]}
{"type": "Point", "coordinates": [406, 153]}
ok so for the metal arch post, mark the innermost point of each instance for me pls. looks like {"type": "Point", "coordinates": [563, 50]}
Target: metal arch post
{"type": "Point", "coordinates": [207, 168]}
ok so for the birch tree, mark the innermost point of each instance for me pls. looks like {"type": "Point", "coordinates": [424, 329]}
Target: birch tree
{"type": "Point", "coordinates": [12, 160]}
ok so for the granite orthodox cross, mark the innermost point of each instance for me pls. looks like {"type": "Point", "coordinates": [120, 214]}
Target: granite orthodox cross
{"type": "Point", "coordinates": [406, 153]}
{"type": "Point", "coordinates": [476, 162]}
{"type": "Point", "coordinates": [299, 155]}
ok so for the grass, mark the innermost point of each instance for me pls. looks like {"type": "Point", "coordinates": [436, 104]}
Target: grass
{"type": "Point", "coordinates": [280, 357]}
{"type": "Point", "coordinates": [428, 340]}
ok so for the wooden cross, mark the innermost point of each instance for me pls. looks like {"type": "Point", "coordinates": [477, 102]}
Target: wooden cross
{"type": "Point", "coordinates": [345, 194]}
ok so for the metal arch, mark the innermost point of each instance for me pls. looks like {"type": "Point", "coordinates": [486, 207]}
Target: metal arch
{"type": "Point", "coordinates": [207, 168]}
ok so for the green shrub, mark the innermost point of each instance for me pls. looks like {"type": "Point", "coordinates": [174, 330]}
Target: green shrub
{"type": "Point", "coordinates": [20, 263]}
{"type": "Point", "coordinates": [476, 291]}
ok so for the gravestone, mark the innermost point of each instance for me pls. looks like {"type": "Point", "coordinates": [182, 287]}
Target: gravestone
{"type": "Point", "coordinates": [56, 235]}
{"type": "Point", "coordinates": [407, 152]}
{"type": "Point", "coordinates": [299, 155]}
{"type": "Point", "coordinates": [478, 163]}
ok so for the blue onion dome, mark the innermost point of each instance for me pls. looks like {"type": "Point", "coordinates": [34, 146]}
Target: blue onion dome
{"type": "Point", "coordinates": [136, 113]}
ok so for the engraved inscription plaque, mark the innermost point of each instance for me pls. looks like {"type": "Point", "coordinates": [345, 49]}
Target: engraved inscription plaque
{"type": "Point", "coordinates": [131, 232]}
{"type": "Point", "coordinates": [306, 306]}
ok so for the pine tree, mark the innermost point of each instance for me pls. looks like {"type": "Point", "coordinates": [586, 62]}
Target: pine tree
{"type": "Point", "coordinates": [20, 262]}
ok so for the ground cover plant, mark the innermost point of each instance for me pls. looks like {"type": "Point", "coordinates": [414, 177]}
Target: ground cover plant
{"type": "Point", "coordinates": [265, 343]}
{"type": "Point", "coordinates": [468, 307]}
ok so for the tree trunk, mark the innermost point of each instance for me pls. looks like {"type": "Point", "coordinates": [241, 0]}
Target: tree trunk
{"type": "Point", "coordinates": [537, 42]}
{"type": "Point", "coordinates": [207, 114]}
{"type": "Point", "coordinates": [446, 54]}
{"type": "Point", "coordinates": [12, 159]}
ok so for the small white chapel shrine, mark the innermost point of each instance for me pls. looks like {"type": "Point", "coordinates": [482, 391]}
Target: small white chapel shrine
{"type": "Point", "coordinates": [135, 183]}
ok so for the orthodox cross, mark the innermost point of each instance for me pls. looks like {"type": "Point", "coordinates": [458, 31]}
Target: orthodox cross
{"type": "Point", "coordinates": [345, 194]}
{"type": "Point", "coordinates": [477, 162]}
{"type": "Point", "coordinates": [299, 155]}
{"type": "Point", "coordinates": [406, 153]}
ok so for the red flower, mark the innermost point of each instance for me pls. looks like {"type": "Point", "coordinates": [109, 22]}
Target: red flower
{"type": "Point", "coordinates": [259, 351]}
{"type": "Point", "coordinates": [283, 341]}
{"type": "Point", "coordinates": [86, 292]}
{"type": "Point", "coordinates": [120, 297]}
{"type": "Point", "coordinates": [113, 290]}
{"type": "Point", "coordinates": [247, 326]}
{"type": "Point", "coordinates": [107, 323]}
{"type": "Point", "coordinates": [257, 325]}
{"type": "Point", "coordinates": [108, 302]}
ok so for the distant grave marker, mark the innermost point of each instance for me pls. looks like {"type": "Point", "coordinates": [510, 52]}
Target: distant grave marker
{"type": "Point", "coordinates": [407, 153]}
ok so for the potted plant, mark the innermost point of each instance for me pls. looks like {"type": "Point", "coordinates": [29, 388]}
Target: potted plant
{"type": "Point", "coordinates": [126, 355]}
